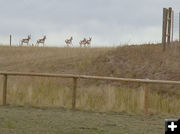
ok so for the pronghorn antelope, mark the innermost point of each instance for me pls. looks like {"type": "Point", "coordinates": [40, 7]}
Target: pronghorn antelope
{"type": "Point", "coordinates": [69, 41]}
{"type": "Point", "coordinates": [26, 40]}
{"type": "Point", "coordinates": [88, 42]}
{"type": "Point", "coordinates": [41, 41]}
{"type": "Point", "coordinates": [83, 42]}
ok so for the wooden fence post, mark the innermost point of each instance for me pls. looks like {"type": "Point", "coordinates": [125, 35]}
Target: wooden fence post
{"type": "Point", "coordinates": [169, 25]}
{"type": "Point", "coordinates": [146, 103]}
{"type": "Point", "coordinates": [4, 89]}
{"type": "Point", "coordinates": [164, 28]}
{"type": "Point", "coordinates": [10, 40]}
{"type": "Point", "coordinates": [74, 93]}
{"type": "Point", "coordinates": [172, 35]}
{"type": "Point", "coordinates": [179, 26]}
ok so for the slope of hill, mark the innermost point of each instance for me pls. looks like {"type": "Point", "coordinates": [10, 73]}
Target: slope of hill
{"type": "Point", "coordinates": [136, 61]}
{"type": "Point", "coordinates": [145, 61]}
{"type": "Point", "coordinates": [54, 60]}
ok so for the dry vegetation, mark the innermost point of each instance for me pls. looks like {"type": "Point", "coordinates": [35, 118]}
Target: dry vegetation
{"type": "Point", "coordinates": [145, 61]}
{"type": "Point", "coordinates": [28, 120]}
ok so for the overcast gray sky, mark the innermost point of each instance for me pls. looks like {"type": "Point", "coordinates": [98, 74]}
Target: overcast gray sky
{"type": "Point", "coordinates": [108, 22]}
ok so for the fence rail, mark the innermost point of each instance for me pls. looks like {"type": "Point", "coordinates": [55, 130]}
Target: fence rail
{"type": "Point", "coordinates": [76, 77]}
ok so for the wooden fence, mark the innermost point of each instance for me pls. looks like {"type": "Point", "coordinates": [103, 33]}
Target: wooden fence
{"type": "Point", "coordinates": [76, 77]}
{"type": "Point", "coordinates": [167, 27]}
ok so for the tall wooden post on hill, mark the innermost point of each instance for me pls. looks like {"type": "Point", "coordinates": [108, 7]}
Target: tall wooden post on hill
{"type": "Point", "coordinates": [172, 33]}
{"type": "Point", "coordinates": [164, 28]}
{"type": "Point", "coordinates": [169, 25]}
{"type": "Point", "coordinates": [179, 26]}
{"type": "Point", "coordinates": [10, 39]}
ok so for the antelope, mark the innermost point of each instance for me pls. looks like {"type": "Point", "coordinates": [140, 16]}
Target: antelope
{"type": "Point", "coordinates": [26, 40]}
{"type": "Point", "coordinates": [69, 41]}
{"type": "Point", "coordinates": [41, 41]}
{"type": "Point", "coordinates": [83, 42]}
{"type": "Point", "coordinates": [88, 42]}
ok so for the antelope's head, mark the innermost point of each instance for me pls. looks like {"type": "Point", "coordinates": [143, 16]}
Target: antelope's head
{"type": "Point", "coordinates": [44, 36]}
{"type": "Point", "coordinates": [29, 37]}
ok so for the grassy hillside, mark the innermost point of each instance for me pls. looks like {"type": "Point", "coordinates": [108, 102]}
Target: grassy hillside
{"type": "Point", "coordinates": [145, 61]}
{"type": "Point", "coordinates": [136, 61]}
{"type": "Point", "coordinates": [52, 60]}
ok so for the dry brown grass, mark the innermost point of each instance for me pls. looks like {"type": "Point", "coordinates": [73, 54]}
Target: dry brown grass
{"type": "Point", "coordinates": [55, 60]}
{"type": "Point", "coordinates": [141, 61]}
{"type": "Point", "coordinates": [146, 61]}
